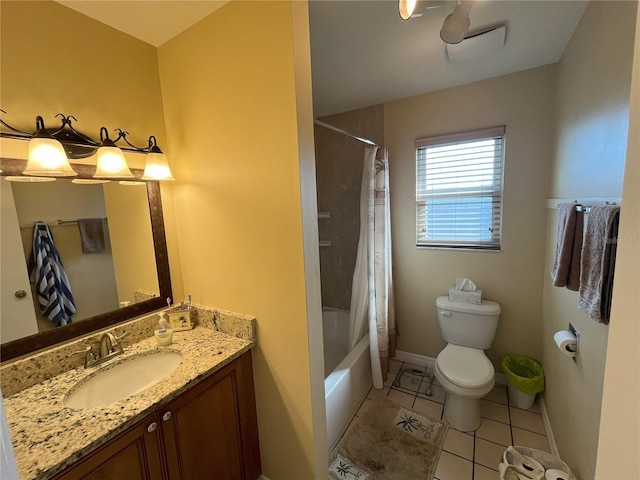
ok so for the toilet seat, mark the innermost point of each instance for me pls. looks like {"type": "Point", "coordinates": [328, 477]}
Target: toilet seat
{"type": "Point", "coordinates": [465, 367]}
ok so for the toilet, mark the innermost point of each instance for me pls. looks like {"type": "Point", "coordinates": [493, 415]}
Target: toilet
{"type": "Point", "coordinates": [462, 368]}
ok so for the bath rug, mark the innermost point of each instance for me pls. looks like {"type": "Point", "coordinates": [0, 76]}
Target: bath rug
{"type": "Point", "coordinates": [388, 442]}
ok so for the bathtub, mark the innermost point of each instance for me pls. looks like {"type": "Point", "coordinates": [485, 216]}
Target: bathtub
{"type": "Point", "coordinates": [347, 375]}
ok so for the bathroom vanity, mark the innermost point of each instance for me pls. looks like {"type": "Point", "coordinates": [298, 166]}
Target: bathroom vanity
{"type": "Point", "coordinates": [207, 432]}
{"type": "Point", "coordinates": [199, 421]}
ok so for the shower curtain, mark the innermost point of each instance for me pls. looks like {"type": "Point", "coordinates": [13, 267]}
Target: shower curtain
{"type": "Point", "coordinates": [372, 302]}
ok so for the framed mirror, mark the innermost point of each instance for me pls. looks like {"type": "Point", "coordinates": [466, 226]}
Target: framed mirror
{"type": "Point", "coordinates": [128, 276]}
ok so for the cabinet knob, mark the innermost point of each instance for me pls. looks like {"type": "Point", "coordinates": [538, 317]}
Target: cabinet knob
{"type": "Point", "coordinates": [152, 427]}
{"type": "Point", "coordinates": [20, 294]}
{"type": "Point", "coordinates": [166, 416]}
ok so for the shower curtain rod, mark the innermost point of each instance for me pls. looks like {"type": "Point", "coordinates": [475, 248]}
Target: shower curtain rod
{"type": "Point", "coordinates": [328, 126]}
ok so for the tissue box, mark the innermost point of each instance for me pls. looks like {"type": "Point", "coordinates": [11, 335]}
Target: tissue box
{"type": "Point", "coordinates": [465, 297]}
{"type": "Point", "coordinates": [180, 318]}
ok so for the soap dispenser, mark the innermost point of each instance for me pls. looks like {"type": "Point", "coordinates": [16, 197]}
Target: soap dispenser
{"type": "Point", "coordinates": [164, 334]}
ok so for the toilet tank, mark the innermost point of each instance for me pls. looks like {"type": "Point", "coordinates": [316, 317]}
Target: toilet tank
{"type": "Point", "coordinates": [466, 324]}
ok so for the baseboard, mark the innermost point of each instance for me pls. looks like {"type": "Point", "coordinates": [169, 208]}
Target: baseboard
{"type": "Point", "coordinates": [414, 359]}
{"type": "Point", "coordinates": [423, 361]}
{"type": "Point", "coordinates": [547, 426]}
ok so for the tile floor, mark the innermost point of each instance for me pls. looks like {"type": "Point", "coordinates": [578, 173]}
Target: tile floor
{"type": "Point", "coordinates": [473, 456]}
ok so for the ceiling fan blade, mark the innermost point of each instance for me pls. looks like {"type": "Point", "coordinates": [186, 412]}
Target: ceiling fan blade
{"type": "Point", "coordinates": [456, 25]}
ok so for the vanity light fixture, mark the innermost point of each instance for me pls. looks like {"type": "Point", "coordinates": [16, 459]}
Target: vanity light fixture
{"type": "Point", "coordinates": [157, 165]}
{"type": "Point", "coordinates": [46, 155]}
{"type": "Point", "coordinates": [26, 179]}
{"type": "Point", "coordinates": [51, 148]}
{"type": "Point", "coordinates": [111, 162]}
{"type": "Point", "coordinates": [131, 182]}
{"type": "Point", "coordinates": [88, 181]}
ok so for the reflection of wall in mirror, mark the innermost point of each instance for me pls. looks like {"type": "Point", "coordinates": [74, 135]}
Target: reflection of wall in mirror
{"type": "Point", "coordinates": [131, 239]}
{"type": "Point", "coordinates": [17, 318]}
{"type": "Point", "coordinates": [91, 276]}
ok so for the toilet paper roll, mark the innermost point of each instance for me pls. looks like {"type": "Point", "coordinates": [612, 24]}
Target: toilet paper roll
{"type": "Point", "coordinates": [566, 342]}
{"type": "Point", "coordinates": [554, 474]}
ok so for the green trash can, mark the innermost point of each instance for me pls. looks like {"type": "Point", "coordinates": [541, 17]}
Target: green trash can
{"type": "Point", "coordinates": [525, 379]}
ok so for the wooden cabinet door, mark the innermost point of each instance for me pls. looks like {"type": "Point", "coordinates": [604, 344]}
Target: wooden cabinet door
{"type": "Point", "coordinates": [210, 432]}
{"type": "Point", "coordinates": [132, 455]}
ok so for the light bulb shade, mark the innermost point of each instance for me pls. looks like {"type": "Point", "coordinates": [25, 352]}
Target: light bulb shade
{"type": "Point", "coordinates": [18, 178]}
{"type": "Point", "coordinates": [89, 181]}
{"type": "Point", "coordinates": [406, 8]}
{"type": "Point", "coordinates": [131, 183]}
{"type": "Point", "coordinates": [47, 159]}
{"type": "Point", "coordinates": [112, 164]}
{"type": "Point", "coordinates": [157, 166]}
{"type": "Point", "coordinates": [416, 8]}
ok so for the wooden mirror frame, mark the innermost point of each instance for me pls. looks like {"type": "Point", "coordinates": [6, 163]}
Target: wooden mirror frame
{"type": "Point", "coordinates": [38, 341]}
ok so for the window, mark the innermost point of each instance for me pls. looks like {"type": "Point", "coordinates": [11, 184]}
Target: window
{"type": "Point", "coordinates": [459, 190]}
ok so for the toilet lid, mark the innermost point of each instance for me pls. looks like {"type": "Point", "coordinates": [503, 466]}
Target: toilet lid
{"type": "Point", "coordinates": [465, 366]}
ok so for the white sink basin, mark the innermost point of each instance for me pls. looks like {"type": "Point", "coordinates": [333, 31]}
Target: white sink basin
{"type": "Point", "coordinates": [123, 380]}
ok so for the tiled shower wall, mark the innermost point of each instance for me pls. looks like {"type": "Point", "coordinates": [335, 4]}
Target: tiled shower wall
{"type": "Point", "coordinates": [339, 162]}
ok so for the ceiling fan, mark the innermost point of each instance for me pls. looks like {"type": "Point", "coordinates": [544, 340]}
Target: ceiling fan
{"type": "Point", "coordinates": [455, 26]}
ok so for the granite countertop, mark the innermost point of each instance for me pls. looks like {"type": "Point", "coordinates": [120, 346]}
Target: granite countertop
{"type": "Point", "coordinates": [47, 436]}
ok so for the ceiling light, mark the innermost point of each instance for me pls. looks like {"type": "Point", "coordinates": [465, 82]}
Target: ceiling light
{"type": "Point", "coordinates": [406, 8]}
{"type": "Point", "coordinates": [456, 25]}
{"type": "Point", "coordinates": [415, 8]}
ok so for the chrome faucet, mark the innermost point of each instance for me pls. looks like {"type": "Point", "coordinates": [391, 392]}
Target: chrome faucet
{"type": "Point", "coordinates": [89, 356]}
{"type": "Point", "coordinates": [108, 347]}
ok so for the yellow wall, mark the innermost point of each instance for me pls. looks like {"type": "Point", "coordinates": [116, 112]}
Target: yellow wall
{"type": "Point", "coordinates": [524, 103]}
{"type": "Point", "coordinates": [592, 104]}
{"type": "Point", "coordinates": [229, 95]}
{"type": "Point", "coordinates": [237, 92]}
{"type": "Point", "coordinates": [134, 259]}
{"type": "Point", "coordinates": [97, 74]}
{"type": "Point", "coordinates": [55, 60]}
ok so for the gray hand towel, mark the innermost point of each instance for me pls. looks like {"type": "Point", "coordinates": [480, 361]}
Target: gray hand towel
{"type": "Point", "coordinates": [596, 250]}
{"type": "Point", "coordinates": [92, 235]}
{"type": "Point", "coordinates": [566, 268]}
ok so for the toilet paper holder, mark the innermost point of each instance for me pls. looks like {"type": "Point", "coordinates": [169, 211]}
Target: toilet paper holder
{"type": "Point", "coordinates": [567, 341]}
{"type": "Point", "coordinates": [573, 330]}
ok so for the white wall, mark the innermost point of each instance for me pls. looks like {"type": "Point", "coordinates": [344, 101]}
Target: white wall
{"type": "Point", "coordinates": [513, 277]}
{"type": "Point", "coordinates": [17, 316]}
{"type": "Point", "coordinates": [619, 436]}
{"type": "Point", "coordinates": [592, 104]}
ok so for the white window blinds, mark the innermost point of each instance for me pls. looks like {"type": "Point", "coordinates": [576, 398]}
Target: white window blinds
{"type": "Point", "coordinates": [459, 189]}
